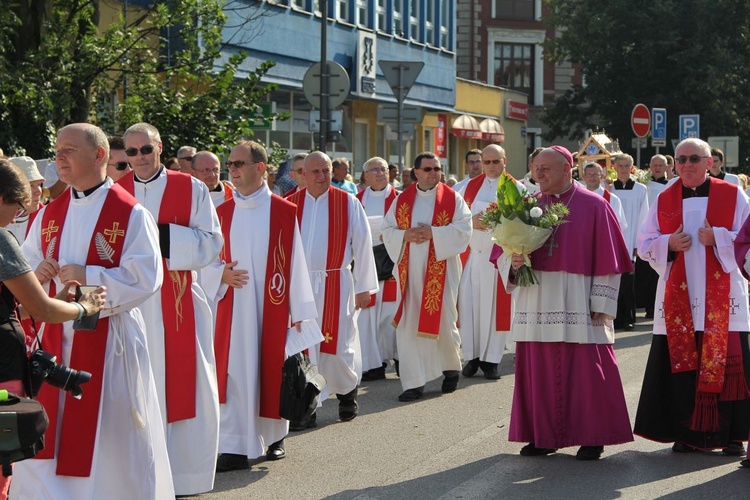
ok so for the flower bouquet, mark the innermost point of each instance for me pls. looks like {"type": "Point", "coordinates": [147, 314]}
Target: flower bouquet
{"type": "Point", "coordinates": [521, 226]}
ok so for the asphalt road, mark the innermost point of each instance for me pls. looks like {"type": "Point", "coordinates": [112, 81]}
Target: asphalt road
{"type": "Point", "coordinates": [456, 446]}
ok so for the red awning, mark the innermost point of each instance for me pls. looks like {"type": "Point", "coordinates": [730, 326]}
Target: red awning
{"type": "Point", "coordinates": [492, 130]}
{"type": "Point", "coordinates": [466, 126]}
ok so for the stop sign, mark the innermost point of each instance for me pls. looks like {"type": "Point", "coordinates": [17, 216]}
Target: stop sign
{"type": "Point", "coordinates": [640, 120]}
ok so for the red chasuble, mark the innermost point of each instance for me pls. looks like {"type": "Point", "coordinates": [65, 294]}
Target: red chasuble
{"type": "Point", "coordinates": [80, 416]}
{"type": "Point", "coordinates": [712, 365]}
{"type": "Point", "coordinates": [389, 285]}
{"type": "Point", "coordinates": [178, 311]}
{"type": "Point", "coordinates": [434, 279]}
{"type": "Point", "coordinates": [275, 304]}
{"type": "Point", "coordinates": [338, 227]}
{"type": "Point", "coordinates": [502, 297]}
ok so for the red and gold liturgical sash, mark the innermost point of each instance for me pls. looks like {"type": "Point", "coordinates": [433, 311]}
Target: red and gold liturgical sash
{"type": "Point", "coordinates": [275, 304]}
{"type": "Point", "coordinates": [178, 310]}
{"type": "Point", "coordinates": [80, 416]}
{"type": "Point", "coordinates": [338, 227]}
{"type": "Point", "coordinates": [502, 297]}
{"type": "Point", "coordinates": [683, 352]}
{"type": "Point", "coordinates": [434, 279]}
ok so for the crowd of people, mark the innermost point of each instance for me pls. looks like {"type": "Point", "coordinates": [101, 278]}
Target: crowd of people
{"type": "Point", "coordinates": [200, 282]}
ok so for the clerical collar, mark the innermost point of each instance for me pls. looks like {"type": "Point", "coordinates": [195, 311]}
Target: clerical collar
{"type": "Point", "coordinates": [628, 185]}
{"type": "Point", "coordinates": [217, 189]}
{"type": "Point", "coordinates": [87, 192]}
{"type": "Point", "coordinates": [661, 180]}
{"type": "Point", "coordinates": [720, 175]}
{"type": "Point", "coordinates": [699, 192]}
{"type": "Point", "coordinates": [378, 190]}
{"type": "Point", "coordinates": [426, 190]}
{"type": "Point", "coordinates": [156, 176]}
{"type": "Point", "coordinates": [566, 192]}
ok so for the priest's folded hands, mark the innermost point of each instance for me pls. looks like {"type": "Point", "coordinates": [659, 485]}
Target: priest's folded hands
{"type": "Point", "coordinates": [679, 241]}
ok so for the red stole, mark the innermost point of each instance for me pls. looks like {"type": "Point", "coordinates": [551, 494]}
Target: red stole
{"type": "Point", "coordinates": [275, 304]}
{"type": "Point", "coordinates": [607, 195]}
{"type": "Point", "coordinates": [502, 297]}
{"type": "Point", "coordinates": [228, 192]}
{"type": "Point", "coordinates": [389, 285]}
{"type": "Point", "coordinates": [178, 311]}
{"type": "Point", "coordinates": [712, 365]}
{"type": "Point", "coordinates": [80, 416]}
{"type": "Point", "coordinates": [338, 227]}
{"type": "Point", "coordinates": [434, 279]}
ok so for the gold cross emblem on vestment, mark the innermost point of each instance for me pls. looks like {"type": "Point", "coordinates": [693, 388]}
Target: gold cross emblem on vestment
{"type": "Point", "coordinates": [114, 232]}
{"type": "Point", "coordinates": [48, 231]}
{"type": "Point", "coordinates": [328, 337]}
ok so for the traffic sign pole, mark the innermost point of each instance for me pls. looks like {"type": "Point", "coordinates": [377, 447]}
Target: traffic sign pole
{"type": "Point", "coordinates": [400, 75]}
{"type": "Point", "coordinates": [325, 113]}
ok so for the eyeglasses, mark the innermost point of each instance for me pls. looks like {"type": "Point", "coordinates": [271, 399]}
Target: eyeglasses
{"type": "Point", "coordinates": [145, 150]}
{"type": "Point", "coordinates": [430, 169]}
{"type": "Point", "coordinates": [497, 161]}
{"type": "Point", "coordinates": [186, 158]}
{"type": "Point", "coordinates": [299, 171]}
{"type": "Point", "coordinates": [120, 165]}
{"type": "Point", "coordinates": [377, 170]}
{"type": "Point", "coordinates": [207, 171]}
{"type": "Point", "coordinates": [692, 159]}
{"type": "Point", "coordinates": [21, 212]}
{"type": "Point", "coordinates": [239, 163]}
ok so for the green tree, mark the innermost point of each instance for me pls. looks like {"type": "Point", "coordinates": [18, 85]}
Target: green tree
{"type": "Point", "coordinates": [688, 56]}
{"type": "Point", "coordinates": [153, 63]}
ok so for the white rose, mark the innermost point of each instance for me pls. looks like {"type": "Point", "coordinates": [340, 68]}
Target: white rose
{"type": "Point", "coordinates": [536, 212]}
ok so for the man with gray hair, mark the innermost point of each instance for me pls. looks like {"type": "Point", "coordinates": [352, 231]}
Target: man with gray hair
{"type": "Point", "coordinates": [695, 386]}
{"type": "Point", "coordinates": [110, 443]}
{"type": "Point", "coordinates": [185, 158]}
{"type": "Point", "coordinates": [179, 319]}
{"type": "Point", "coordinates": [377, 335]}
{"type": "Point", "coordinates": [297, 173]}
{"type": "Point", "coordinates": [207, 168]}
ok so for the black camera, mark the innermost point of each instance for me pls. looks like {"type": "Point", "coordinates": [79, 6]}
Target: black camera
{"type": "Point", "coordinates": [43, 367]}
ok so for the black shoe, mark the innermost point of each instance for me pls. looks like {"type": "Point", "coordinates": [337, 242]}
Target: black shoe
{"type": "Point", "coordinates": [276, 451]}
{"type": "Point", "coordinates": [410, 395]}
{"type": "Point", "coordinates": [450, 382]}
{"type": "Point", "coordinates": [348, 407]}
{"type": "Point", "coordinates": [310, 423]}
{"type": "Point", "coordinates": [532, 451]}
{"type": "Point", "coordinates": [630, 327]}
{"type": "Point", "coordinates": [395, 364]}
{"type": "Point", "coordinates": [230, 461]}
{"type": "Point", "coordinates": [745, 463]}
{"type": "Point", "coordinates": [490, 371]}
{"type": "Point", "coordinates": [682, 448]}
{"type": "Point", "coordinates": [734, 449]}
{"type": "Point", "coordinates": [589, 452]}
{"type": "Point", "coordinates": [374, 374]}
{"type": "Point", "coordinates": [471, 368]}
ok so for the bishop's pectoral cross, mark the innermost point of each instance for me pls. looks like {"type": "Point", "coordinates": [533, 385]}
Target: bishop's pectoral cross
{"type": "Point", "coordinates": [551, 244]}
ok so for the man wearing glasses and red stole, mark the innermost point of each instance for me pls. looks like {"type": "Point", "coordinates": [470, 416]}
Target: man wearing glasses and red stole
{"type": "Point", "coordinates": [178, 318]}
{"type": "Point", "coordinates": [109, 443]}
{"type": "Point", "coordinates": [695, 392]}
{"type": "Point", "coordinates": [425, 231]}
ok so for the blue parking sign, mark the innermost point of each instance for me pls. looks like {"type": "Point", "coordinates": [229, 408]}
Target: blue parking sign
{"type": "Point", "coordinates": [690, 126]}
{"type": "Point", "coordinates": [659, 124]}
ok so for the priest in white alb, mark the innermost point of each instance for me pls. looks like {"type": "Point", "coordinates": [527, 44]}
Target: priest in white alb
{"type": "Point", "coordinates": [179, 319]}
{"type": "Point", "coordinates": [568, 390]}
{"type": "Point", "coordinates": [426, 230]}
{"type": "Point", "coordinates": [110, 443]}
{"type": "Point", "coordinates": [377, 335]}
{"type": "Point", "coordinates": [695, 391]}
{"type": "Point", "coordinates": [260, 281]}
{"type": "Point", "coordinates": [592, 179]}
{"type": "Point", "coordinates": [485, 308]}
{"type": "Point", "coordinates": [335, 232]}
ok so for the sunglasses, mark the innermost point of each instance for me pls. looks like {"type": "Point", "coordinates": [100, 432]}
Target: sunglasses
{"type": "Point", "coordinates": [186, 158]}
{"type": "Point", "coordinates": [121, 165]}
{"type": "Point", "coordinates": [238, 163]}
{"type": "Point", "coordinates": [430, 169]}
{"type": "Point", "coordinates": [145, 150]}
{"type": "Point", "coordinates": [692, 159]}
{"type": "Point", "coordinates": [493, 162]}
{"type": "Point", "coordinates": [21, 212]}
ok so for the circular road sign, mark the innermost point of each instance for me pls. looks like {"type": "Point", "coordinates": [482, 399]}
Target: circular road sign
{"type": "Point", "coordinates": [338, 84]}
{"type": "Point", "coordinates": [640, 120]}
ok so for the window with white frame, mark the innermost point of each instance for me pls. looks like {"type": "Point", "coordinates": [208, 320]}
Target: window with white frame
{"type": "Point", "coordinates": [444, 22]}
{"type": "Point", "coordinates": [429, 23]}
{"type": "Point", "coordinates": [342, 10]}
{"type": "Point", "coordinates": [363, 12]}
{"type": "Point", "coordinates": [414, 16]}
{"type": "Point", "coordinates": [398, 17]}
{"type": "Point", "coordinates": [381, 19]}
{"type": "Point", "coordinates": [300, 4]}
{"type": "Point", "coordinates": [514, 66]}
{"type": "Point", "coordinates": [515, 9]}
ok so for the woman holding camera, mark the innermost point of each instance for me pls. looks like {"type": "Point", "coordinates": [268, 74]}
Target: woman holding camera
{"type": "Point", "coordinates": [19, 286]}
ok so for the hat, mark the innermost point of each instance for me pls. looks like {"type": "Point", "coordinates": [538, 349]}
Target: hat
{"type": "Point", "coordinates": [565, 153]}
{"type": "Point", "coordinates": [28, 165]}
